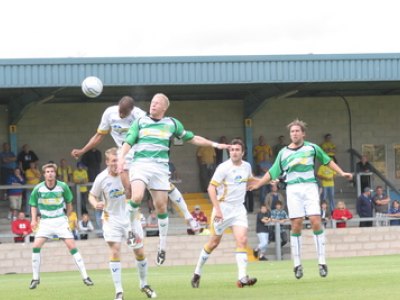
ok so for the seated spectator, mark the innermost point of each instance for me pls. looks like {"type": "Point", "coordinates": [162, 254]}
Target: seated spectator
{"type": "Point", "coordinates": [394, 212]}
{"type": "Point", "coordinates": [32, 176]}
{"type": "Point", "coordinates": [341, 214]}
{"type": "Point", "coordinates": [273, 197]}
{"type": "Point", "coordinates": [152, 224]}
{"type": "Point", "coordinates": [64, 171]}
{"type": "Point", "coordinates": [21, 227]}
{"type": "Point", "coordinates": [324, 212]}
{"type": "Point", "coordinates": [85, 226]}
{"type": "Point", "coordinates": [279, 215]}
{"type": "Point", "coordinates": [73, 224]}
{"type": "Point", "coordinates": [201, 219]}
{"type": "Point", "coordinates": [262, 230]}
{"type": "Point", "coordinates": [15, 195]}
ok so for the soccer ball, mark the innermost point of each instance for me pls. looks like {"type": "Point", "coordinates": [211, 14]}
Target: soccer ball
{"type": "Point", "coordinates": [92, 86]}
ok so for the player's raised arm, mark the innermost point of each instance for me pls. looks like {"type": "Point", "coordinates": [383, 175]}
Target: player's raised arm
{"type": "Point", "coordinates": [96, 139]}
{"type": "Point", "coordinates": [201, 141]}
{"type": "Point", "coordinates": [339, 170]}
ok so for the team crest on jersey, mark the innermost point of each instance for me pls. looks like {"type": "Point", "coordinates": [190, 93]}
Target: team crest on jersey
{"type": "Point", "coordinates": [116, 193]}
{"type": "Point", "coordinates": [118, 129]}
{"type": "Point", "coordinates": [238, 179]}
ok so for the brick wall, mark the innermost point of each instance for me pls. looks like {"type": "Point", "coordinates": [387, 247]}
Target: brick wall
{"type": "Point", "coordinates": [184, 250]}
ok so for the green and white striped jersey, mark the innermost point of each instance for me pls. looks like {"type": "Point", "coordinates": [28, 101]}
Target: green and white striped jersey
{"type": "Point", "coordinates": [152, 138]}
{"type": "Point", "coordinates": [51, 202]}
{"type": "Point", "coordinates": [298, 164]}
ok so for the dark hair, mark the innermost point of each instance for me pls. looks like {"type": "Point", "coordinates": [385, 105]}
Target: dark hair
{"type": "Point", "coordinates": [238, 142]}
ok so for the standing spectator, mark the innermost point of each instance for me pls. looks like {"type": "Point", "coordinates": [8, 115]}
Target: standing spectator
{"type": "Point", "coordinates": [92, 160]}
{"type": "Point", "coordinates": [381, 202]}
{"type": "Point", "coordinates": [152, 224]}
{"type": "Point", "coordinates": [25, 157]}
{"type": "Point", "coordinates": [329, 147]}
{"type": "Point", "coordinates": [15, 195]}
{"type": "Point", "coordinates": [273, 197]}
{"type": "Point", "coordinates": [206, 159]}
{"type": "Point", "coordinates": [341, 214]}
{"type": "Point", "coordinates": [84, 227]}
{"type": "Point", "coordinates": [279, 215]}
{"type": "Point", "coordinates": [64, 172]}
{"type": "Point", "coordinates": [21, 227]}
{"type": "Point", "coordinates": [261, 152]}
{"type": "Point", "coordinates": [200, 217]}
{"type": "Point", "coordinates": [80, 176]}
{"type": "Point", "coordinates": [32, 176]}
{"type": "Point", "coordinates": [394, 212]}
{"type": "Point", "coordinates": [8, 164]}
{"type": "Point", "coordinates": [263, 168]}
{"type": "Point", "coordinates": [262, 230]}
{"type": "Point", "coordinates": [222, 154]}
{"type": "Point", "coordinates": [327, 175]}
{"type": "Point", "coordinates": [365, 207]}
{"type": "Point", "coordinates": [363, 166]}
{"type": "Point", "coordinates": [73, 224]}
{"type": "Point", "coordinates": [276, 148]}
{"type": "Point", "coordinates": [324, 213]}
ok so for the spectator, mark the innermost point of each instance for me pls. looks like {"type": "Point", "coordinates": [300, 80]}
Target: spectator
{"type": "Point", "coordinates": [173, 172]}
{"type": "Point", "coordinates": [262, 230]}
{"type": "Point", "coordinates": [15, 195]}
{"type": "Point", "coordinates": [85, 226]}
{"type": "Point", "coordinates": [21, 227]}
{"type": "Point", "coordinates": [64, 171]}
{"type": "Point", "coordinates": [326, 176]}
{"type": "Point", "coordinates": [261, 152]}
{"type": "Point", "coordinates": [152, 224]}
{"type": "Point", "coordinates": [381, 202]}
{"type": "Point", "coordinates": [279, 215]}
{"type": "Point", "coordinates": [200, 217]}
{"type": "Point", "coordinates": [25, 157]}
{"type": "Point", "coordinates": [341, 214]}
{"type": "Point", "coordinates": [365, 207]}
{"type": "Point", "coordinates": [206, 160]}
{"type": "Point", "coordinates": [276, 148]}
{"type": "Point", "coordinates": [394, 212]}
{"type": "Point", "coordinates": [273, 197]}
{"type": "Point", "coordinates": [263, 168]}
{"type": "Point", "coordinates": [73, 224]}
{"type": "Point", "coordinates": [363, 166]}
{"type": "Point", "coordinates": [92, 160]}
{"type": "Point", "coordinates": [222, 155]}
{"type": "Point", "coordinates": [8, 164]}
{"type": "Point", "coordinates": [80, 176]}
{"type": "Point", "coordinates": [329, 147]}
{"type": "Point", "coordinates": [324, 213]}
{"type": "Point", "coordinates": [32, 176]}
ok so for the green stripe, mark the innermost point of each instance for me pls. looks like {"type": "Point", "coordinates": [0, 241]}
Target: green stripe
{"type": "Point", "coordinates": [301, 180]}
{"type": "Point", "coordinates": [36, 250]}
{"type": "Point", "coordinates": [318, 232]}
{"type": "Point", "coordinates": [134, 204]}
{"type": "Point", "coordinates": [151, 154]}
{"type": "Point", "coordinates": [73, 251]}
{"type": "Point", "coordinates": [50, 207]}
{"type": "Point", "coordinates": [162, 216]}
{"type": "Point", "coordinates": [296, 234]}
{"type": "Point", "coordinates": [154, 140]}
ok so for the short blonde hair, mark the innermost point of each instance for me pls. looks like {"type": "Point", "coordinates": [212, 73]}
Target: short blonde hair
{"type": "Point", "coordinates": [297, 122]}
{"type": "Point", "coordinates": [111, 151]}
{"type": "Point", "coordinates": [163, 96]}
{"type": "Point", "coordinates": [49, 165]}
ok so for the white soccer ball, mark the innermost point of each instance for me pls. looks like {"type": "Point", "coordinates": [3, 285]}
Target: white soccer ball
{"type": "Point", "coordinates": [92, 86]}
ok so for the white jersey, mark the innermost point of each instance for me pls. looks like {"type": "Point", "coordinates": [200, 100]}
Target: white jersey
{"type": "Point", "coordinates": [231, 181]}
{"type": "Point", "coordinates": [110, 189]}
{"type": "Point", "coordinates": [112, 123]}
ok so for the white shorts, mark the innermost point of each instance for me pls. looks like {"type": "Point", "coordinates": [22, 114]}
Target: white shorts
{"type": "Point", "coordinates": [115, 231]}
{"type": "Point", "coordinates": [51, 227]}
{"type": "Point", "coordinates": [303, 200]}
{"type": "Point", "coordinates": [233, 215]}
{"type": "Point", "coordinates": [154, 175]}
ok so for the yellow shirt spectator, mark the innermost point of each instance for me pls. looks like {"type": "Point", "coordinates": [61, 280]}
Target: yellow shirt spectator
{"type": "Point", "coordinates": [80, 175]}
{"type": "Point", "coordinates": [32, 176]}
{"type": "Point", "coordinates": [326, 175]}
{"type": "Point", "coordinates": [206, 155]}
{"type": "Point", "coordinates": [73, 220]}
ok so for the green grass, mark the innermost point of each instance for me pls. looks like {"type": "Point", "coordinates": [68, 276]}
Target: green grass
{"type": "Point", "coordinates": [349, 278]}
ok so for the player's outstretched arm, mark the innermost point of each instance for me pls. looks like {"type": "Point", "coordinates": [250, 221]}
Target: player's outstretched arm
{"type": "Point", "coordinates": [121, 156]}
{"type": "Point", "coordinates": [93, 142]}
{"type": "Point", "coordinates": [256, 183]}
{"type": "Point", "coordinates": [200, 141]}
{"type": "Point", "coordinates": [339, 170]}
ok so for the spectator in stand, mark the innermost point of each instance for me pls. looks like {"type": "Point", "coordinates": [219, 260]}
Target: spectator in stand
{"type": "Point", "coordinates": [365, 207]}
{"type": "Point", "coordinates": [201, 219]}
{"type": "Point", "coordinates": [381, 202]}
{"type": "Point", "coordinates": [84, 227]}
{"type": "Point", "coordinates": [273, 197]}
{"type": "Point", "coordinates": [394, 212]}
{"type": "Point", "coordinates": [15, 195]}
{"type": "Point", "coordinates": [279, 215]}
{"type": "Point", "coordinates": [276, 148]}
{"type": "Point", "coordinates": [152, 224]}
{"type": "Point", "coordinates": [206, 160]}
{"type": "Point", "coordinates": [263, 168]}
{"type": "Point", "coordinates": [326, 176]}
{"type": "Point", "coordinates": [80, 176]}
{"type": "Point", "coordinates": [25, 157]}
{"type": "Point", "coordinates": [363, 166]}
{"type": "Point", "coordinates": [341, 214]}
{"type": "Point", "coordinates": [324, 213]}
{"type": "Point", "coordinates": [8, 164]}
{"type": "Point", "coordinates": [261, 152]}
{"type": "Point", "coordinates": [329, 147]}
{"type": "Point", "coordinates": [262, 230]}
{"type": "Point", "coordinates": [222, 155]}
{"type": "Point", "coordinates": [92, 160]}
{"type": "Point", "coordinates": [32, 176]}
{"type": "Point", "coordinates": [73, 224]}
{"type": "Point", "coordinates": [64, 171]}
{"type": "Point", "coordinates": [21, 227]}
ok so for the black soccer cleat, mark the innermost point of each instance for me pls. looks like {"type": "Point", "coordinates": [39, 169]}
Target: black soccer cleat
{"type": "Point", "coordinates": [160, 257]}
{"type": "Point", "coordinates": [323, 270]}
{"type": "Point", "coordinates": [246, 281]}
{"type": "Point", "coordinates": [34, 284]}
{"type": "Point", "coordinates": [88, 281]}
{"type": "Point", "coordinates": [150, 293]}
{"type": "Point", "coordinates": [119, 296]}
{"type": "Point", "coordinates": [195, 281]}
{"type": "Point", "coordinates": [255, 252]}
{"type": "Point", "coordinates": [298, 271]}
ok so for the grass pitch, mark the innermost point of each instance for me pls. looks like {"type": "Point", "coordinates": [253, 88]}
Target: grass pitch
{"type": "Point", "coordinates": [349, 278]}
